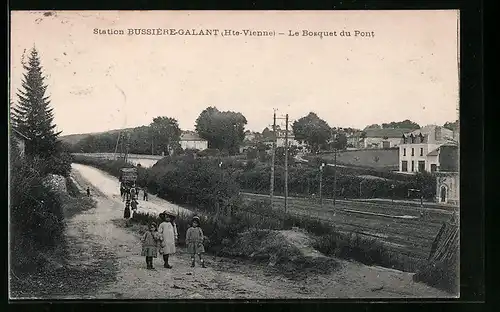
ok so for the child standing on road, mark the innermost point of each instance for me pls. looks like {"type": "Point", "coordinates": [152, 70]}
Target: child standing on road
{"type": "Point", "coordinates": [194, 241]}
{"type": "Point", "coordinates": [150, 243]}
{"type": "Point", "coordinates": [168, 231]}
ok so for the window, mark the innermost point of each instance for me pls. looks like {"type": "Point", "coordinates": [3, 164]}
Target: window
{"type": "Point", "coordinates": [404, 166]}
{"type": "Point", "coordinates": [404, 151]}
{"type": "Point", "coordinates": [421, 152]}
{"type": "Point", "coordinates": [412, 166]}
{"type": "Point", "coordinates": [412, 151]}
{"type": "Point", "coordinates": [421, 166]}
{"type": "Point", "coordinates": [433, 168]}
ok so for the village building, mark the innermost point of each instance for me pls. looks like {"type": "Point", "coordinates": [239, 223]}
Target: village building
{"type": "Point", "coordinates": [381, 138]}
{"type": "Point", "coordinates": [191, 141]}
{"type": "Point", "coordinates": [281, 137]}
{"type": "Point", "coordinates": [433, 149]}
{"type": "Point", "coordinates": [448, 176]}
{"type": "Point", "coordinates": [251, 136]}
{"type": "Point", "coordinates": [420, 151]}
{"type": "Point", "coordinates": [354, 140]}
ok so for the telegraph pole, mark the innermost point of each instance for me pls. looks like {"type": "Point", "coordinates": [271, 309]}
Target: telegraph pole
{"type": "Point", "coordinates": [117, 143]}
{"type": "Point", "coordinates": [286, 162]}
{"type": "Point", "coordinates": [334, 178]}
{"type": "Point", "coordinates": [271, 195]}
{"type": "Point", "coordinates": [127, 139]}
{"type": "Point", "coordinates": [335, 142]}
{"type": "Point", "coordinates": [321, 184]}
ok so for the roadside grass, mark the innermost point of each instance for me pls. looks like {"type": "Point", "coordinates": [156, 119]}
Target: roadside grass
{"type": "Point", "coordinates": [439, 276]}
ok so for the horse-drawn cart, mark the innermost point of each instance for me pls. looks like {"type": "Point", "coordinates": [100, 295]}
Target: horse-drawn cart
{"type": "Point", "coordinates": [128, 178]}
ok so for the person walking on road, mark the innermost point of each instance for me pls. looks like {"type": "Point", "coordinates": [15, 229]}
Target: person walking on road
{"type": "Point", "coordinates": [132, 192]}
{"type": "Point", "coordinates": [145, 194]}
{"type": "Point", "coordinates": [168, 231]}
{"type": "Point", "coordinates": [126, 213]}
{"type": "Point", "coordinates": [150, 243]}
{"type": "Point", "coordinates": [133, 206]}
{"type": "Point", "coordinates": [194, 241]}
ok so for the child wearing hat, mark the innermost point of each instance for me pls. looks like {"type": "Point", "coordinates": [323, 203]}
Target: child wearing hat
{"type": "Point", "coordinates": [150, 242]}
{"type": "Point", "coordinates": [194, 241]}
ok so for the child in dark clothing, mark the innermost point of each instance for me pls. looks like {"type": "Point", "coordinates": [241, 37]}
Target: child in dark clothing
{"type": "Point", "coordinates": [150, 243]}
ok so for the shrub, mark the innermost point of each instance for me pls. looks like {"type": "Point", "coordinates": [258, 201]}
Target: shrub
{"type": "Point", "coordinates": [36, 216]}
{"type": "Point", "coordinates": [209, 152]}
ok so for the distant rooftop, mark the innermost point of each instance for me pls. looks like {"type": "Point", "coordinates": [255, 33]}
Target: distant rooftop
{"type": "Point", "coordinates": [190, 136]}
{"type": "Point", "coordinates": [388, 132]}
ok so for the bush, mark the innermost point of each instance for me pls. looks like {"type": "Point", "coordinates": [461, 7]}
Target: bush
{"type": "Point", "coordinates": [36, 216]}
{"type": "Point", "coordinates": [209, 152]}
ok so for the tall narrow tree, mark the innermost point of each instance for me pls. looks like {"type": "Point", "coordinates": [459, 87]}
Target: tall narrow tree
{"type": "Point", "coordinates": [33, 115]}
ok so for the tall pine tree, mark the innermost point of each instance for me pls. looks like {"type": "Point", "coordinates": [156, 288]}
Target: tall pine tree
{"type": "Point", "coordinates": [33, 115]}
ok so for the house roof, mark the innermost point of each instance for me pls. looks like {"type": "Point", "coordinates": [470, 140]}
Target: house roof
{"type": "Point", "coordinates": [434, 152]}
{"type": "Point", "coordinates": [388, 132]}
{"type": "Point", "coordinates": [20, 134]}
{"type": "Point", "coordinates": [190, 136]}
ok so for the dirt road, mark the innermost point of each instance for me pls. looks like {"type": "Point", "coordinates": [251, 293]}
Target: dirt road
{"type": "Point", "coordinates": [98, 230]}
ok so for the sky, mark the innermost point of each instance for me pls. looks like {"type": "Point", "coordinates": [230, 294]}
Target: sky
{"type": "Point", "coordinates": [406, 69]}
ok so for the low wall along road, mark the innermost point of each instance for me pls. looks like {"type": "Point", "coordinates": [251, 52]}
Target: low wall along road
{"type": "Point", "coordinates": [145, 160]}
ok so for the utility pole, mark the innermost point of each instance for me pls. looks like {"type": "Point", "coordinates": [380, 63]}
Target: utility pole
{"type": "Point", "coordinates": [286, 162]}
{"type": "Point", "coordinates": [152, 142]}
{"type": "Point", "coordinates": [273, 155]}
{"type": "Point", "coordinates": [219, 199]}
{"type": "Point", "coordinates": [321, 184]}
{"type": "Point", "coordinates": [127, 139]}
{"type": "Point", "coordinates": [334, 174]}
{"type": "Point", "coordinates": [117, 143]}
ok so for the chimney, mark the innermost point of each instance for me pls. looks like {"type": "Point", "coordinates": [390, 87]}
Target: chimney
{"type": "Point", "coordinates": [437, 134]}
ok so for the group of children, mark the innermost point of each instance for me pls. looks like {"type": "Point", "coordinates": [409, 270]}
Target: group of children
{"type": "Point", "coordinates": [162, 239]}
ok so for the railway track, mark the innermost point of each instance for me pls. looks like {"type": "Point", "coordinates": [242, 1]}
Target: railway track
{"type": "Point", "coordinates": [411, 237]}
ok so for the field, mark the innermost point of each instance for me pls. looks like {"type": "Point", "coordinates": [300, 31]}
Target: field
{"type": "Point", "coordinates": [400, 228]}
{"type": "Point", "coordinates": [370, 158]}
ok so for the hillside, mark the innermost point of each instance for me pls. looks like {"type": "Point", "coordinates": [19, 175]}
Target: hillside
{"type": "Point", "coordinates": [75, 138]}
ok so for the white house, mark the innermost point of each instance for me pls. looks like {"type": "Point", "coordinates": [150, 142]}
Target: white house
{"type": "Point", "coordinates": [191, 140]}
{"type": "Point", "coordinates": [420, 150]}
{"type": "Point", "coordinates": [280, 139]}
{"type": "Point", "coordinates": [354, 140]}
